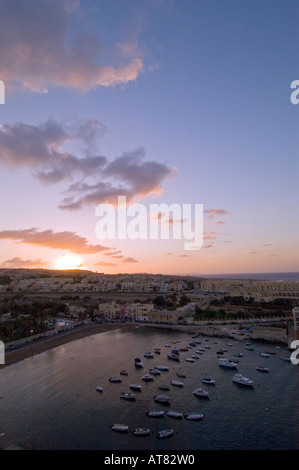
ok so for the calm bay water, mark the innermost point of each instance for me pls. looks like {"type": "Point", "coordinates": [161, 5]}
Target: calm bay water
{"type": "Point", "coordinates": [50, 401]}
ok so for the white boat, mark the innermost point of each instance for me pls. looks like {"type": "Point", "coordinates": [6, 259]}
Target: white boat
{"type": "Point", "coordinates": [123, 372]}
{"type": "Point", "coordinates": [165, 433]}
{"type": "Point", "coordinates": [148, 354]}
{"type": "Point", "coordinates": [154, 371]}
{"type": "Point", "coordinates": [135, 387]}
{"type": "Point", "coordinates": [174, 357]}
{"type": "Point", "coordinates": [147, 378]}
{"type": "Point", "coordinates": [194, 416]}
{"type": "Point", "coordinates": [175, 414]}
{"type": "Point", "coordinates": [164, 387]}
{"type": "Point", "coordinates": [264, 355]}
{"type": "Point", "coordinates": [162, 368]}
{"type": "Point", "coordinates": [138, 362]}
{"type": "Point", "coordinates": [238, 355]}
{"type": "Point", "coordinates": [207, 380]}
{"type": "Point", "coordinates": [99, 389]}
{"type": "Point", "coordinates": [155, 413]}
{"type": "Point", "coordinates": [120, 427]}
{"type": "Point", "coordinates": [227, 363]}
{"type": "Point", "coordinates": [176, 383]}
{"type": "Point", "coordinates": [128, 396]}
{"type": "Point", "coordinates": [161, 398]}
{"type": "Point", "coordinates": [141, 431]}
{"type": "Point", "coordinates": [189, 359]}
{"type": "Point", "coordinates": [114, 379]}
{"type": "Point", "coordinates": [241, 380]}
{"type": "Point", "coordinates": [200, 392]}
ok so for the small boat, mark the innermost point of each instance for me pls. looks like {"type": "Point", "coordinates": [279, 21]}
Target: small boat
{"type": "Point", "coordinates": [138, 362]}
{"type": "Point", "coordinates": [147, 378]}
{"type": "Point", "coordinates": [264, 355]}
{"type": "Point", "coordinates": [181, 374]}
{"type": "Point", "coordinates": [190, 359]}
{"type": "Point", "coordinates": [120, 427]}
{"type": "Point", "coordinates": [161, 398]}
{"type": "Point", "coordinates": [114, 379]}
{"type": "Point", "coordinates": [176, 351]}
{"type": "Point", "coordinates": [262, 369]}
{"type": "Point", "coordinates": [128, 396]}
{"type": "Point", "coordinates": [154, 371]}
{"type": "Point", "coordinates": [176, 383]}
{"type": "Point", "coordinates": [141, 432]}
{"type": "Point", "coordinates": [156, 413]}
{"type": "Point", "coordinates": [223, 350]}
{"type": "Point", "coordinates": [175, 414]}
{"type": "Point", "coordinates": [167, 345]}
{"type": "Point", "coordinates": [164, 433]}
{"type": "Point", "coordinates": [238, 355]}
{"type": "Point", "coordinates": [123, 372]}
{"type": "Point", "coordinates": [165, 368]}
{"type": "Point", "coordinates": [148, 354]}
{"type": "Point", "coordinates": [194, 416]}
{"type": "Point", "coordinates": [229, 344]}
{"type": "Point", "coordinates": [207, 380]}
{"type": "Point", "coordinates": [157, 351]}
{"type": "Point", "coordinates": [195, 356]}
{"type": "Point", "coordinates": [135, 387]}
{"type": "Point", "coordinates": [284, 358]}
{"type": "Point", "coordinates": [184, 349]}
{"type": "Point", "coordinates": [269, 351]}
{"type": "Point", "coordinates": [174, 357]}
{"type": "Point", "coordinates": [165, 388]}
{"type": "Point", "coordinates": [241, 380]}
{"type": "Point", "coordinates": [227, 363]}
{"type": "Point", "coordinates": [99, 389]}
{"type": "Point", "coordinates": [249, 347]}
{"type": "Point", "coordinates": [219, 352]}
{"type": "Point", "coordinates": [200, 392]}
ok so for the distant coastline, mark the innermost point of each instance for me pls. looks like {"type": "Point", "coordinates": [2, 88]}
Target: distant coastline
{"type": "Point", "coordinates": [276, 277]}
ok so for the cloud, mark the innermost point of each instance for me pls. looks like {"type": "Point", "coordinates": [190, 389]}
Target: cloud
{"type": "Point", "coordinates": [96, 179]}
{"type": "Point", "coordinates": [131, 175]}
{"type": "Point", "coordinates": [103, 263]}
{"type": "Point", "coordinates": [130, 260]}
{"type": "Point", "coordinates": [44, 44]}
{"type": "Point", "coordinates": [69, 241]}
{"type": "Point", "coordinates": [216, 211]}
{"type": "Point", "coordinates": [17, 263]}
{"type": "Point", "coordinates": [219, 222]}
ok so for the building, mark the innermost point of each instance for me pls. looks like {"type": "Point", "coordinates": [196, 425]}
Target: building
{"type": "Point", "coordinates": [296, 321]}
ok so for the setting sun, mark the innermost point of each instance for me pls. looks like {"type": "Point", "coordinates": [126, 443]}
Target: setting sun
{"type": "Point", "coordinates": [69, 261]}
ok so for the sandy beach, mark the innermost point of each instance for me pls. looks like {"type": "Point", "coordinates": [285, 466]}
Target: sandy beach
{"type": "Point", "coordinates": [32, 349]}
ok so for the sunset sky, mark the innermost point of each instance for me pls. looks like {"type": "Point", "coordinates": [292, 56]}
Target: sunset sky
{"type": "Point", "coordinates": [161, 101]}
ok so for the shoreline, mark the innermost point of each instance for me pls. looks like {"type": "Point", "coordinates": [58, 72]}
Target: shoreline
{"type": "Point", "coordinates": [32, 349]}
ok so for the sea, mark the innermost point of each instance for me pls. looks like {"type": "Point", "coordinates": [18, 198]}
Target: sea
{"type": "Point", "coordinates": [50, 402]}
{"type": "Point", "coordinates": [274, 277]}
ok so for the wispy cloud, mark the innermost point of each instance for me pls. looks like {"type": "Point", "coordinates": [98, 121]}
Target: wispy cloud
{"type": "Point", "coordinates": [69, 241]}
{"type": "Point", "coordinates": [216, 211]}
{"type": "Point", "coordinates": [130, 260]}
{"type": "Point", "coordinates": [17, 263]}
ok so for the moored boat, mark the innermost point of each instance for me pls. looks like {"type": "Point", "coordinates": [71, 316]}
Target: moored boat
{"type": "Point", "coordinates": [148, 354]}
{"type": "Point", "coordinates": [175, 414]}
{"type": "Point", "coordinates": [161, 398]}
{"type": "Point", "coordinates": [190, 359]}
{"type": "Point", "coordinates": [200, 392]}
{"type": "Point", "coordinates": [264, 354]}
{"type": "Point", "coordinates": [147, 378]}
{"type": "Point", "coordinates": [138, 362]}
{"type": "Point", "coordinates": [123, 372]}
{"type": "Point", "coordinates": [262, 369]}
{"type": "Point", "coordinates": [177, 383]}
{"type": "Point", "coordinates": [114, 379]}
{"type": "Point", "coordinates": [165, 433]}
{"type": "Point", "coordinates": [141, 431]}
{"type": "Point", "coordinates": [164, 368]}
{"type": "Point", "coordinates": [128, 396]}
{"type": "Point", "coordinates": [241, 380]}
{"type": "Point", "coordinates": [227, 363]}
{"type": "Point", "coordinates": [136, 387]}
{"type": "Point", "coordinates": [154, 371]}
{"type": "Point", "coordinates": [156, 413]}
{"type": "Point", "coordinates": [195, 416]}
{"type": "Point", "coordinates": [99, 389]}
{"type": "Point", "coordinates": [120, 427]}
{"type": "Point", "coordinates": [208, 380]}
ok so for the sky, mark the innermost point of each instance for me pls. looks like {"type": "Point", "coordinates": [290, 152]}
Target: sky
{"type": "Point", "coordinates": [161, 102]}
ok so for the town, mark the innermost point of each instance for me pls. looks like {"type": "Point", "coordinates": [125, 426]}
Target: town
{"type": "Point", "coordinates": [41, 302]}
